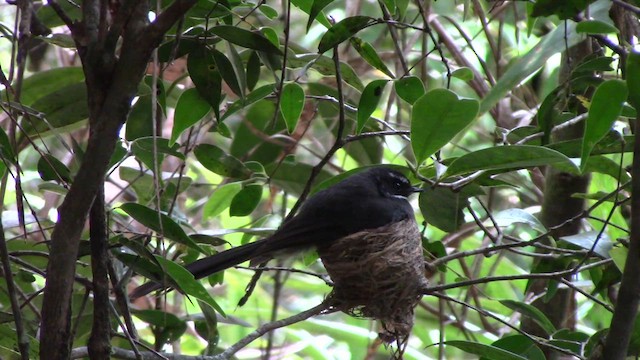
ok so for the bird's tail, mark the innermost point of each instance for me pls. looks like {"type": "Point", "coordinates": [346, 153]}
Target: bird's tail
{"type": "Point", "coordinates": [209, 265]}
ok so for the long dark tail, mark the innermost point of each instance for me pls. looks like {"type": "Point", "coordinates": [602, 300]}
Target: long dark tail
{"type": "Point", "coordinates": [209, 265]}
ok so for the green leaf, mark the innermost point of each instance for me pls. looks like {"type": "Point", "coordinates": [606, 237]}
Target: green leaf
{"type": "Point", "coordinates": [253, 71]}
{"type": "Point", "coordinates": [343, 31]}
{"type": "Point", "coordinates": [43, 83]}
{"type": "Point", "coordinates": [538, 56]}
{"type": "Point", "coordinates": [190, 109]}
{"type": "Point", "coordinates": [216, 160]}
{"type": "Point", "coordinates": [188, 284]}
{"type": "Point", "coordinates": [489, 351]}
{"type": "Point", "coordinates": [409, 88]}
{"type": "Point", "coordinates": [268, 11]}
{"type": "Point", "coordinates": [509, 217]}
{"type": "Point", "coordinates": [245, 38]}
{"type": "Point", "coordinates": [369, 102]}
{"type": "Point", "coordinates": [220, 200]}
{"type": "Point", "coordinates": [291, 104]}
{"type": "Point", "coordinates": [519, 344]}
{"type": "Point", "coordinates": [253, 97]}
{"type": "Point", "coordinates": [204, 73]}
{"type": "Point", "coordinates": [531, 312]}
{"type": "Point", "coordinates": [144, 148]}
{"type": "Point", "coordinates": [463, 73]}
{"type": "Point", "coordinates": [50, 168]}
{"type": "Point", "coordinates": [436, 118]}
{"type": "Point", "coordinates": [6, 150]}
{"type": "Point", "coordinates": [168, 326]}
{"type": "Point", "coordinates": [325, 66]}
{"type": "Point", "coordinates": [245, 201]}
{"type": "Point", "coordinates": [586, 240]}
{"type": "Point", "coordinates": [159, 223]}
{"type": "Point", "coordinates": [507, 158]}
{"type": "Point", "coordinates": [63, 107]}
{"type": "Point", "coordinates": [448, 215]}
{"type": "Point", "coordinates": [633, 78]}
{"type": "Point", "coordinates": [595, 27]}
{"type": "Point", "coordinates": [292, 177]}
{"type": "Point", "coordinates": [227, 72]}
{"type": "Point", "coordinates": [370, 55]}
{"type": "Point", "coordinates": [566, 9]}
{"type": "Point", "coordinates": [316, 9]}
{"type": "Point", "coordinates": [605, 108]}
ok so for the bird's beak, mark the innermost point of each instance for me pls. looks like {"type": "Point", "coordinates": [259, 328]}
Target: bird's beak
{"type": "Point", "coordinates": [416, 189]}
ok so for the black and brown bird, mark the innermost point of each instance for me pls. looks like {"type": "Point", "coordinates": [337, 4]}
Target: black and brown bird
{"type": "Point", "coordinates": [368, 201]}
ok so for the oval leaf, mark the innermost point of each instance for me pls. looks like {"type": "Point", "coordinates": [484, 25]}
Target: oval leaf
{"type": "Point", "coordinates": [343, 31]}
{"type": "Point", "coordinates": [595, 27]}
{"type": "Point", "coordinates": [291, 104]}
{"type": "Point", "coordinates": [605, 108]}
{"type": "Point", "coordinates": [245, 38]}
{"type": "Point", "coordinates": [409, 88]}
{"type": "Point", "coordinates": [219, 162]}
{"type": "Point", "coordinates": [246, 200]}
{"type": "Point", "coordinates": [50, 168]}
{"type": "Point", "coordinates": [191, 107]}
{"type": "Point", "coordinates": [491, 352]}
{"type": "Point", "coordinates": [507, 158]}
{"type": "Point", "coordinates": [370, 55]}
{"type": "Point", "coordinates": [531, 312]}
{"type": "Point", "coordinates": [436, 118]}
{"type": "Point", "coordinates": [220, 200]}
{"type": "Point", "coordinates": [159, 223]}
{"type": "Point", "coordinates": [369, 101]}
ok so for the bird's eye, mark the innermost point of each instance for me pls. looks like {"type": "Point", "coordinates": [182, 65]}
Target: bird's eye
{"type": "Point", "coordinates": [397, 184]}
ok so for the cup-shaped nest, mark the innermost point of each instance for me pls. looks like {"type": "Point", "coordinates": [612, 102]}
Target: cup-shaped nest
{"type": "Point", "coordinates": [380, 274]}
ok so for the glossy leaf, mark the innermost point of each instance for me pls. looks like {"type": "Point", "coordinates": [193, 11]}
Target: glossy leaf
{"type": "Point", "coordinates": [518, 344]}
{"type": "Point", "coordinates": [291, 104]}
{"type": "Point", "coordinates": [369, 102]}
{"type": "Point", "coordinates": [370, 55]}
{"type": "Point", "coordinates": [491, 352]}
{"type": "Point", "coordinates": [228, 72]}
{"type": "Point", "coordinates": [409, 88]}
{"type": "Point", "coordinates": [448, 216]}
{"type": "Point", "coordinates": [168, 327]}
{"type": "Point", "coordinates": [531, 312]}
{"type": "Point", "coordinates": [253, 70]}
{"type": "Point", "coordinates": [190, 109]}
{"type": "Point", "coordinates": [463, 73]}
{"type": "Point", "coordinates": [587, 239]}
{"type": "Point", "coordinates": [436, 118]}
{"type": "Point", "coordinates": [253, 97]}
{"type": "Point", "coordinates": [316, 9]}
{"type": "Point", "coordinates": [220, 200]}
{"type": "Point", "coordinates": [325, 66]}
{"type": "Point", "coordinates": [538, 56]}
{"type": "Point", "coordinates": [509, 217]}
{"type": "Point", "coordinates": [144, 149]}
{"type": "Point", "coordinates": [50, 168]}
{"type": "Point", "coordinates": [159, 223]}
{"type": "Point", "coordinates": [188, 283]}
{"type": "Point", "coordinates": [245, 38]}
{"type": "Point", "coordinates": [216, 160]}
{"type": "Point", "coordinates": [61, 108]}
{"type": "Point", "coordinates": [633, 78]}
{"type": "Point", "coordinates": [42, 83]}
{"type": "Point", "coordinates": [245, 201]}
{"type": "Point", "coordinates": [606, 106]}
{"type": "Point", "coordinates": [595, 27]}
{"type": "Point", "coordinates": [563, 9]}
{"type": "Point", "coordinates": [507, 158]}
{"type": "Point", "coordinates": [205, 75]}
{"type": "Point", "coordinates": [343, 30]}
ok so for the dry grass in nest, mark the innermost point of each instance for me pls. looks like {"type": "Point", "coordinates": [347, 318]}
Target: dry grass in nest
{"type": "Point", "coordinates": [378, 275]}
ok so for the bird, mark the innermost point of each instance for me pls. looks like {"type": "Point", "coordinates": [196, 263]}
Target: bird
{"type": "Point", "coordinates": [368, 200]}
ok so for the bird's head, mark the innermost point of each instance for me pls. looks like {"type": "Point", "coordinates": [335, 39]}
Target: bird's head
{"type": "Point", "coordinates": [392, 183]}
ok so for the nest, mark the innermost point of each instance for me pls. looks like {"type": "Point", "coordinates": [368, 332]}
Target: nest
{"type": "Point", "coordinates": [378, 274]}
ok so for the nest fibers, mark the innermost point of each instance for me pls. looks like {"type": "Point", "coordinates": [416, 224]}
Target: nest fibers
{"type": "Point", "coordinates": [379, 275]}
